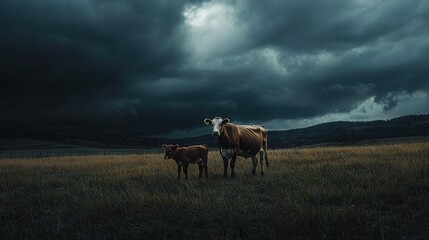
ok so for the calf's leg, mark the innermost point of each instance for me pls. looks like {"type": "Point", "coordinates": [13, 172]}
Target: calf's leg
{"type": "Point", "coordinates": [204, 163]}
{"type": "Point", "coordinates": [200, 169]}
{"type": "Point", "coordinates": [185, 170]}
{"type": "Point", "coordinates": [179, 170]}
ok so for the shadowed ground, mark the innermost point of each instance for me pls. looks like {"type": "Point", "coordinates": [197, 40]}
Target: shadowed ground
{"type": "Point", "coordinates": [333, 192]}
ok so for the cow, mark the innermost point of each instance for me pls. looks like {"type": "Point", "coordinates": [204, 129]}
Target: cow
{"type": "Point", "coordinates": [239, 140]}
{"type": "Point", "coordinates": [186, 155]}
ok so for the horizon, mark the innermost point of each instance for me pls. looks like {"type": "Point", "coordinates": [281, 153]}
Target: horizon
{"type": "Point", "coordinates": [184, 135]}
{"type": "Point", "coordinates": [206, 130]}
{"type": "Point", "coordinates": [159, 69]}
{"type": "Point", "coordinates": [190, 134]}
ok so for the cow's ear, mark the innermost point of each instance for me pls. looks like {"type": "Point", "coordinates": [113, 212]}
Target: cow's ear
{"type": "Point", "coordinates": [164, 146]}
{"type": "Point", "coordinates": [176, 146]}
{"type": "Point", "coordinates": [225, 121]}
{"type": "Point", "coordinates": [208, 121]}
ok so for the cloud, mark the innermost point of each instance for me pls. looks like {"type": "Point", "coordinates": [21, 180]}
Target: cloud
{"type": "Point", "coordinates": [410, 104]}
{"type": "Point", "coordinates": [213, 29]}
{"type": "Point", "coordinates": [154, 68]}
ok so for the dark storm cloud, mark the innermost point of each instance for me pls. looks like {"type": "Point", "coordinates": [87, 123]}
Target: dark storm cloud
{"type": "Point", "coordinates": [75, 60]}
{"type": "Point", "coordinates": [334, 55]}
{"type": "Point", "coordinates": [158, 66]}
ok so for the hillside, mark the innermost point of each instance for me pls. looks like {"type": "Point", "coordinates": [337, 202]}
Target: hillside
{"type": "Point", "coordinates": [12, 131]}
{"type": "Point", "coordinates": [338, 133]}
{"type": "Point", "coordinates": [347, 133]}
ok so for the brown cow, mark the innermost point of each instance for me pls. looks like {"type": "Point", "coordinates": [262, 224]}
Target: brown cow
{"type": "Point", "coordinates": [186, 155]}
{"type": "Point", "coordinates": [239, 140]}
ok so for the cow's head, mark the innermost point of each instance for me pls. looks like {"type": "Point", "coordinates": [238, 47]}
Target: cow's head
{"type": "Point", "coordinates": [217, 124]}
{"type": "Point", "coordinates": [169, 150]}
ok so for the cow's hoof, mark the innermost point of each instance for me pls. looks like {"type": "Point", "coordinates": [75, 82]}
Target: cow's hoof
{"type": "Point", "coordinates": [253, 173]}
{"type": "Point", "coordinates": [232, 176]}
{"type": "Point", "coordinates": [262, 174]}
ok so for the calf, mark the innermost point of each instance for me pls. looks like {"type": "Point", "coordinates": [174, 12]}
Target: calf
{"type": "Point", "coordinates": [185, 155]}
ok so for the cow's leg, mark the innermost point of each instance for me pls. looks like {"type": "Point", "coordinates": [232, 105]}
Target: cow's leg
{"type": "Point", "coordinates": [205, 170]}
{"type": "Point", "coordinates": [185, 170]}
{"type": "Point", "coordinates": [265, 152]}
{"type": "Point", "coordinates": [261, 157]}
{"type": "Point", "coordinates": [200, 169]}
{"type": "Point", "coordinates": [266, 158]}
{"type": "Point", "coordinates": [225, 167]}
{"type": "Point", "coordinates": [232, 165]}
{"type": "Point", "coordinates": [179, 170]}
{"type": "Point", "coordinates": [254, 163]}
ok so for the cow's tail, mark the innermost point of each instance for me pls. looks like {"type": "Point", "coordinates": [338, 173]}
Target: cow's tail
{"type": "Point", "coordinates": [207, 148]}
{"type": "Point", "coordinates": [266, 159]}
{"type": "Point", "coordinates": [266, 147]}
{"type": "Point", "coordinates": [206, 155]}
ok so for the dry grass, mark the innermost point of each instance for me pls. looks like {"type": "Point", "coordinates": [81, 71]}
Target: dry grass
{"type": "Point", "coordinates": [347, 193]}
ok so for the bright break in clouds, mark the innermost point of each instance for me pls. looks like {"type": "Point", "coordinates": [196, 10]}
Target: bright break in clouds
{"type": "Point", "coordinates": [161, 67]}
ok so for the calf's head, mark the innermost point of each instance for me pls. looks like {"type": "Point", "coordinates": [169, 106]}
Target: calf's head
{"type": "Point", "coordinates": [217, 123]}
{"type": "Point", "coordinates": [169, 150]}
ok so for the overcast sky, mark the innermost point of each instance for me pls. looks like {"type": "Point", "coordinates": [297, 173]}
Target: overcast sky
{"type": "Point", "coordinates": [158, 67]}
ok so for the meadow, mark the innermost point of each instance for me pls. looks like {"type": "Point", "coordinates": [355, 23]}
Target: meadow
{"type": "Point", "coordinates": [364, 192]}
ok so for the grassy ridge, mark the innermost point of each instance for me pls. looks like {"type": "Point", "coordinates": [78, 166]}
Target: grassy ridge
{"type": "Point", "coordinates": [348, 192]}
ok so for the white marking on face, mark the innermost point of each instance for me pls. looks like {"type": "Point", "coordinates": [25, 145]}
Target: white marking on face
{"type": "Point", "coordinates": [217, 124]}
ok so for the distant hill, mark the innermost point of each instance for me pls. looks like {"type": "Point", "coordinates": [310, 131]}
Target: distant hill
{"type": "Point", "coordinates": [347, 133]}
{"type": "Point", "coordinates": [72, 136]}
{"type": "Point", "coordinates": [340, 133]}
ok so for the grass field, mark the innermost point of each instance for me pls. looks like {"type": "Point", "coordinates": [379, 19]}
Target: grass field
{"type": "Point", "coordinates": [366, 192]}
